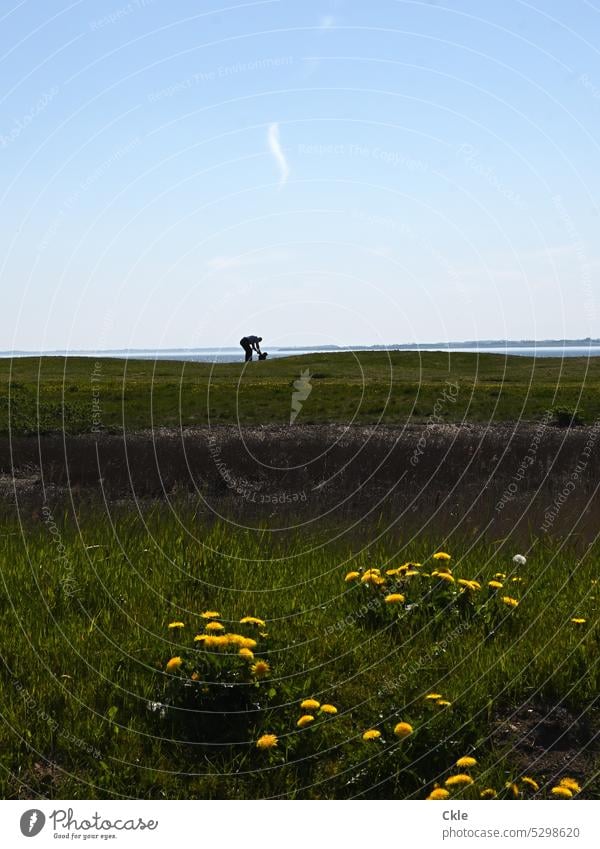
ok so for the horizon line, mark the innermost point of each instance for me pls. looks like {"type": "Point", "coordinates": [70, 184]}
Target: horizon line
{"type": "Point", "coordinates": [589, 341]}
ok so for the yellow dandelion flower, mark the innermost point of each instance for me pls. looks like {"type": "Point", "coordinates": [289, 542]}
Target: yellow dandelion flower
{"type": "Point", "coordinates": [443, 576]}
{"type": "Point", "coordinates": [214, 626]}
{"type": "Point", "coordinates": [443, 703]}
{"type": "Point", "coordinates": [371, 734]}
{"type": "Point", "coordinates": [458, 780]}
{"type": "Point", "coordinates": [175, 625]}
{"type": "Point", "coordinates": [267, 741]}
{"type": "Point", "coordinates": [246, 654]}
{"type": "Point", "coordinates": [396, 571]}
{"type": "Point", "coordinates": [352, 576]}
{"type": "Point", "coordinates": [210, 614]}
{"type": "Point", "coordinates": [253, 620]}
{"type": "Point", "coordinates": [561, 792]}
{"type": "Point", "coordinates": [579, 621]}
{"type": "Point", "coordinates": [310, 704]}
{"type": "Point", "coordinates": [216, 642]}
{"type": "Point", "coordinates": [570, 784]}
{"type": "Point", "coordinates": [403, 729]}
{"type": "Point", "coordinates": [441, 555]}
{"type": "Point", "coordinates": [469, 585]}
{"type": "Point", "coordinates": [531, 783]}
{"type": "Point", "coordinates": [240, 641]}
{"type": "Point", "coordinates": [509, 601]}
{"type": "Point", "coordinates": [439, 793]}
{"type": "Point", "coordinates": [411, 573]}
{"type": "Point", "coordinates": [394, 598]}
{"type": "Point", "coordinates": [500, 576]}
{"type": "Point", "coordinates": [200, 638]}
{"type": "Point", "coordinates": [466, 762]}
{"type": "Point", "coordinates": [495, 585]}
{"type": "Point", "coordinates": [372, 576]}
{"type": "Point", "coordinates": [433, 697]}
{"type": "Point", "coordinates": [513, 789]}
{"type": "Point", "coordinates": [488, 793]}
{"type": "Point", "coordinates": [260, 669]}
{"type": "Point", "coordinates": [330, 709]}
{"type": "Point", "coordinates": [305, 720]}
{"type": "Point", "coordinates": [174, 664]}
{"type": "Point", "coordinates": [195, 676]}
{"type": "Point", "coordinates": [517, 580]}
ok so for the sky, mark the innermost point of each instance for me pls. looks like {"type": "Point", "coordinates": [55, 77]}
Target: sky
{"type": "Point", "coordinates": [180, 174]}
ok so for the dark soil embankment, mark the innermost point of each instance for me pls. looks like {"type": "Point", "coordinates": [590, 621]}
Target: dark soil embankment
{"type": "Point", "coordinates": [541, 479]}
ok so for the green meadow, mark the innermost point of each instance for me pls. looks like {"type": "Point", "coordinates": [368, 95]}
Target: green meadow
{"type": "Point", "coordinates": [79, 394]}
{"type": "Point", "coordinates": [92, 707]}
{"type": "Point", "coordinates": [369, 667]}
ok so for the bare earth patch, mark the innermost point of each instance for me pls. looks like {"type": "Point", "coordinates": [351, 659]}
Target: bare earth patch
{"type": "Point", "coordinates": [550, 742]}
{"type": "Point", "coordinates": [498, 479]}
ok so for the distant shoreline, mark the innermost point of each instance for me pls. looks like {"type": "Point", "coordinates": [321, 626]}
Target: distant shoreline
{"type": "Point", "coordinates": [487, 344]}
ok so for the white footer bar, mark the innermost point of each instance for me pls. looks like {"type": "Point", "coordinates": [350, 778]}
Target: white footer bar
{"type": "Point", "coordinates": [272, 824]}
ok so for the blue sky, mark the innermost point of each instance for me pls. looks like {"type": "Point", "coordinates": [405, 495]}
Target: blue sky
{"type": "Point", "coordinates": [184, 173]}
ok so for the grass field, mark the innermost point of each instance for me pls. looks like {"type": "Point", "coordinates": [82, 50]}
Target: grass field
{"type": "Point", "coordinates": [116, 540]}
{"type": "Point", "coordinates": [80, 394]}
{"type": "Point", "coordinates": [90, 710]}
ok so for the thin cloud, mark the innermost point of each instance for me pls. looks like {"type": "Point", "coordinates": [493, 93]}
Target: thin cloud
{"type": "Point", "coordinates": [275, 148]}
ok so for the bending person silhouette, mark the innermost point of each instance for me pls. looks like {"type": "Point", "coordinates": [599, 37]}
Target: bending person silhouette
{"type": "Point", "coordinates": [250, 344]}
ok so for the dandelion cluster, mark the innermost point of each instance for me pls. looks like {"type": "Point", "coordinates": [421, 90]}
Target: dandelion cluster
{"type": "Point", "coordinates": [401, 730]}
{"type": "Point", "coordinates": [314, 711]}
{"type": "Point", "coordinates": [521, 788]}
{"type": "Point", "coordinates": [226, 658]}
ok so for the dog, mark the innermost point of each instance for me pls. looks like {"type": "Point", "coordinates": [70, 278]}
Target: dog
{"type": "Point", "coordinates": [263, 356]}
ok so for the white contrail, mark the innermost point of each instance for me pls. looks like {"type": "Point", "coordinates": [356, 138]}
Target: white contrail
{"type": "Point", "coordinates": [275, 148]}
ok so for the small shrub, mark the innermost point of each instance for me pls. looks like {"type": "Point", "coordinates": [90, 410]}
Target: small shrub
{"type": "Point", "coordinates": [567, 417]}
